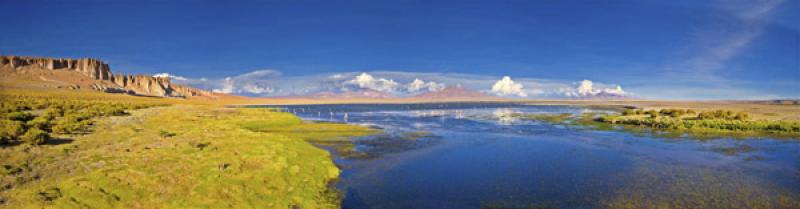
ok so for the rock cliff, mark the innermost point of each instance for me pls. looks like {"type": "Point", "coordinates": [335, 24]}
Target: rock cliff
{"type": "Point", "coordinates": [100, 71]}
{"type": "Point", "coordinates": [92, 68]}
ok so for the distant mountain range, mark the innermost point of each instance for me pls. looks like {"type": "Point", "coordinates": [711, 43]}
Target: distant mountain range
{"type": "Point", "coordinates": [602, 96]}
{"type": "Point", "coordinates": [360, 94]}
{"type": "Point", "coordinates": [453, 92]}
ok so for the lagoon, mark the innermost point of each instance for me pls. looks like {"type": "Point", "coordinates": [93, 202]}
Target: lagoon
{"type": "Point", "coordinates": [477, 155]}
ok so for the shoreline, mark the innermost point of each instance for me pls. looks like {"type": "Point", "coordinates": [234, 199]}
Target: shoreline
{"type": "Point", "coordinates": [758, 109]}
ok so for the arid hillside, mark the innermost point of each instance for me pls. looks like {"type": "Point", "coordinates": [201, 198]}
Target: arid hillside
{"type": "Point", "coordinates": [86, 73]}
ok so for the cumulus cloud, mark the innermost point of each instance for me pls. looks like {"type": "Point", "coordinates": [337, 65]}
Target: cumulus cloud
{"type": "Point", "coordinates": [252, 83]}
{"type": "Point", "coordinates": [400, 84]}
{"type": "Point", "coordinates": [507, 87]}
{"type": "Point", "coordinates": [367, 81]}
{"type": "Point", "coordinates": [255, 83]}
{"type": "Point", "coordinates": [170, 76]}
{"type": "Point", "coordinates": [420, 85]}
{"type": "Point", "coordinates": [587, 88]}
{"type": "Point", "coordinates": [227, 86]}
{"type": "Point", "coordinates": [255, 89]}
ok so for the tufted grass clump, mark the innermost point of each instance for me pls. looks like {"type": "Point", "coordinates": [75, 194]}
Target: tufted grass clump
{"type": "Point", "coordinates": [31, 120]}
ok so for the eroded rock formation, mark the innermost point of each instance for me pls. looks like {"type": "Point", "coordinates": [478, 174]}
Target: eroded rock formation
{"type": "Point", "coordinates": [100, 71]}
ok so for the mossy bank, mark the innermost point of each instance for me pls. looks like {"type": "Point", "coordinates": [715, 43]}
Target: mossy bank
{"type": "Point", "coordinates": [179, 156]}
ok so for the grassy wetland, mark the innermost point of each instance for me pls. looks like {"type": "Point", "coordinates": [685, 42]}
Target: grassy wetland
{"type": "Point", "coordinates": [131, 152]}
{"type": "Point", "coordinates": [99, 150]}
{"type": "Point", "coordinates": [677, 122]}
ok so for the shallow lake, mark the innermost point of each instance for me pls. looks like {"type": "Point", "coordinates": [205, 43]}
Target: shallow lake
{"type": "Point", "coordinates": [474, 155]}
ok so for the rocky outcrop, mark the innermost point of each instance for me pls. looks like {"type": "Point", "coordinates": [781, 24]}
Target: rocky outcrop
{"type": "Point", "coordinates": [100, 71]}
{"type": "Point", "coordinates": [92, 68]}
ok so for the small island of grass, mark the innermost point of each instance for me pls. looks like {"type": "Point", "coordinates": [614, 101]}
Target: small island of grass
{"type": "Point", "coordinates": [717, 121]}
{"type": "Point", "coordinates": [677, 122]}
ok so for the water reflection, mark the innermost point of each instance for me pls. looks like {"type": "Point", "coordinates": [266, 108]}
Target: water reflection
{"type": "Point", "coordinates": [505, 116]}
{"type": "Point", "coordinates": [479, 155]}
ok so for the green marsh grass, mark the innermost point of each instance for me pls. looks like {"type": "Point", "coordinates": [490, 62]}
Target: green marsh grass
{"type": "Point", "coordinates": [177, 156]}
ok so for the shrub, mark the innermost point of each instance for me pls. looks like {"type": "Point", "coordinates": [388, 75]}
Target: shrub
{"type": "Point", "coordinates": [723, 115]}
{"type": "Point", "coordinates": [35, 136]}
{"type": "Point", "coordinates": [711, 120]}
{"type": "Point", "coordinates": [675, 113]}
{"type": "Point", "coordinates": [70, 124]}
{"type": "Point", "coordinates": [166, 134]}
{"type": "Point", "coordinates": [114, 111]}
{"type": "Point", "coordinates": [40, 123]}
{"type": "Point", "coordinates": [58, 115]}
{"type": "Point", "coordinates": [20, 116]}
{"type": "Point", "coordinates": [705, 115]}
{"type": "Point", "coordinates": [608, 119]}
{"type": "Point", "coordinates": [627, 112]}
{"type": "Point", "coordinates": [742, 116]}
{"type": "Point", "coordinates": [53, 112]}
{"type": "Point", "coordinates": [10, 130]}
{"type": "Point", "coordinates": [653, 113]}
{"type": "Point", "coordinates": [50, 194]}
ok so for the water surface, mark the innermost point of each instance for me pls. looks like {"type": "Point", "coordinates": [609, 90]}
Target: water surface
{"type": "Point", "coordinates": [474, 155]}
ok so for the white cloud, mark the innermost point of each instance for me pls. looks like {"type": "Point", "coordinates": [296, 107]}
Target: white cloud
{"type": "Point", "coordinates": [616, 90]}
{"type": "Point", "coordinates": [420, 85]}
{"type": "Point", "coordinates": [367, 81]}
{"type": "Point", "coordinates": [227, 86]}
{"type": "Point", "coordinates": [231, 85]}
{"type": "Point", "coordinates": [170, 76]}
{"type": "Point", "coordinates": [258, 74]}
{"type": "Point", "coordinates": [255, 89]}
{"type": "Point", "coordinates": [336, 76]}
{"type": "Point", "coordinates": [587, 88]}
{"type": "Point", "coordinates": [507, 87]}
{"type": "Point", "coordinates": [715, 46]}
{"type": "Point", "coordinates": [251, 83]}
{"type": "Point", "coordinates": [271, 83]}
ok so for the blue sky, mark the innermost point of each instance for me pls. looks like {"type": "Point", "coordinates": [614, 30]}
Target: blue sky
{"type": "Point", "coordinates": [653, 49]}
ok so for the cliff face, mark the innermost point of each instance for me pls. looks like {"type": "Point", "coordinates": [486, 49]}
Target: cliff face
{"type": "Point", "coordinates": [92, 68]}
{"type": "Point", "coordinates": [100, 71]}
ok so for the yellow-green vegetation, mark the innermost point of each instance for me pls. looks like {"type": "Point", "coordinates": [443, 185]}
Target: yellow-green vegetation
{"type": "Point", "coordinates": [290, 125]}
{"type": "Point", "coordinates": [550, 118]}
{"type": "Point", "coordinates": [32, 120]}
{"type": "Point", "coordinates": [719, 121]}
{"type": "Point", "coordinates": [336, 136]}
{"type": "Point", "coordinates": [177, 156]}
